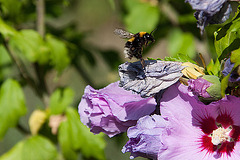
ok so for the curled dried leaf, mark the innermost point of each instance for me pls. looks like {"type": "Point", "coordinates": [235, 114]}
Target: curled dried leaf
{"type": "Point", "coordinates": [156, 76]}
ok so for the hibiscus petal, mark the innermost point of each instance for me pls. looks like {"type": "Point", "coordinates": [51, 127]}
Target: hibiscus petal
{"type": "Point", "coordinates": [146, 137]}
{"type": "Point", "coordinates": [112, 110]}
{"type": "Point", "coordinates": [231, 106]}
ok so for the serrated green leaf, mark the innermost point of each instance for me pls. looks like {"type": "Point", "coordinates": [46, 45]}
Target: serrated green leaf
{"type": "Point", "coordinates": [12, 105]}
{"type": "Point", "coordinates": [180, 42]}
{"type": "Point", "coordinates": [31, 45]}
{"type": "Point", "coordinates": [74, 136]}
{"type": "Point", "coordinates": [33, 148]}
{"type": "Point", "coordinates": [142, 16]}
{"type": "Point", "coordinates": [180, 58]}
{"type": "Point", "coordinates": [60, 100]}
{"type": "Point", "coordinates": [6, 30]}
{"type": "Point", "coordinates": [58, 53]}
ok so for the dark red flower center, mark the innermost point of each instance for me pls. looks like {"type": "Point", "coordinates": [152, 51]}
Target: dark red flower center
{"type": "Point", "coordinates": [220, 135]}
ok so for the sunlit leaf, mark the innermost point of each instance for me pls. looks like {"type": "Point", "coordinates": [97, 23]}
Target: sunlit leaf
{"type": "Point", "coordinates": [235, 57]}
{"type": "Point", "coordinates": [180, 58]}
{"type": "Point", "coordinates": [31, 45]}
{"type": "Point", "coordinates": [214, 68]}
{"type": "Point", "coordinates": [58, 53]}
{"type": "Point", "coordinates": [12, 105]}
{"type": "Point", "coordinates": [60, 100]}
{"type": "Point", "coordinates": [227, 38]}
{"type": "Point", "coordinates": [33, 148]}
{"type": "Point", "coordinates": [226, 44]}
{"type": "Point", "coordinates": [74, 136]}
{"type": "Point", "coordinates": [180, 42]}
{"type": "Point", "coordinates": [224, 84]}
{"type": "Point", "coordinates": [6, 30]}
{"type": "Point", "coordinates": [141, 16]}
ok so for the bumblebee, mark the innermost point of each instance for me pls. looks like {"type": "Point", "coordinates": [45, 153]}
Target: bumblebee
{"type": "Point", "coordinates": [134, 46]}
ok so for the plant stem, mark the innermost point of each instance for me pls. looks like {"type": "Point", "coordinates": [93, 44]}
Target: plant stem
{"type": "Point", "coordinates": [83, 73]}
{"type": "Point", "coordinates": [23, 71]}
{"type": "Point", "coordinates": [40, 17]}
{"type": "Point", "coordinates": [40, 9]}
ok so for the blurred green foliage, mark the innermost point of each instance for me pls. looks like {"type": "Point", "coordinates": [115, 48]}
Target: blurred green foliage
{"type": "Point", "coordinates": [12, 105]}
{"type": "Point", "coordinates": [50, 70]}
{"type": "Point", "coordinates": [35, 147]}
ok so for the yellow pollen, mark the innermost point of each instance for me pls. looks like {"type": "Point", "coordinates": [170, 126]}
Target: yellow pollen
{"type": "Point", "coordinates": [221, 135]}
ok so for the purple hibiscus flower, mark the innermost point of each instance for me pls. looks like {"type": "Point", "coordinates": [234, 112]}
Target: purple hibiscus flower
{"type": "Point", "coordinates": [195, 130]}
{"type": "Point", "coordinates": [146, 137]}
{"type": "Point", "coordinates": [210, 12]}
{"type": "Point", "coordinates": [228, 66]}
{"type": "Point", "coordinates": [112, 110]}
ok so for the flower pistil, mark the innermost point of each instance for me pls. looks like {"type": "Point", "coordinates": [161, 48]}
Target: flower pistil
{"type": "Point", "coordinates": [221, 135]}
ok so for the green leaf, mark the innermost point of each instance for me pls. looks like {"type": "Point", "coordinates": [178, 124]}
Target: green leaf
{"type": "Point", "coordinates": [33, 148]}
{"type": "Point", "coordinates": [215, 89]}
{"type": "Point", "coordinates": [5, 63]}
{"type": "Point", "coordinates": [224, 84]}
{"type": "Point", "coordinates": [227, 38]}
{"type": "Point", "coordinates": [60, 100]}
{"type": "Point", "coordinates": [58, 53]}
{"type": "Point", "coordinates": [142, 16]}
{"type": "Point", "coordinates": [11, 7]}
{"type": "Point", "coordinates": [214, 68]}
{"type": "Point", "coordinates": [66, 141]}
{"type": "Point", "coordinates": [12, 105]}
{"type": "Point", "coordinates": [74, 136]}
{"type": "Point", "coordinates": [6, 30]}
{"type": "Point", "coordinates": [31, 45]}
{"type": "Point", "coordinates": [235, 57]}
{"type": "Point", "coordinates": [180, 42]}
{"type": "Point", "coordinates": [226, 44]}
{"type": "Point", "coordinates": [180, 58]}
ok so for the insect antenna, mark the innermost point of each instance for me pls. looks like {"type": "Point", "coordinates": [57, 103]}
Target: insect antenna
{"type": "Point", "coordinates": [154, 30]}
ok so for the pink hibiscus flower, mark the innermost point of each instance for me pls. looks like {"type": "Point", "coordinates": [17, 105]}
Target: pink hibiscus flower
{"type": "Point", "coordinates": [193, 131]}
{"type": "Point", "coordinates": [112, 110]}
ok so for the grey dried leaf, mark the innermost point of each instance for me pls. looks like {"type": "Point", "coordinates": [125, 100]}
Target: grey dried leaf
{"type": "Point", "coordinates": [157, 76]}
{"type": "Point", "coordinates": [210, 12]}
{"type": "Point", "coordinates": [210, 7]}
{"type": "Point", "coordinates": [203, 18]}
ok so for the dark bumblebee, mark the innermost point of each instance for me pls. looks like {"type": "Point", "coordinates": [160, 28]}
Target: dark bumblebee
{"type": "Point", "coordinates": [134, 46]}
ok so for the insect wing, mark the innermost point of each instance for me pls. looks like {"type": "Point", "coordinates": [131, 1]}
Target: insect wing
{"type": "Point", "coordinates": [123, 34]}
